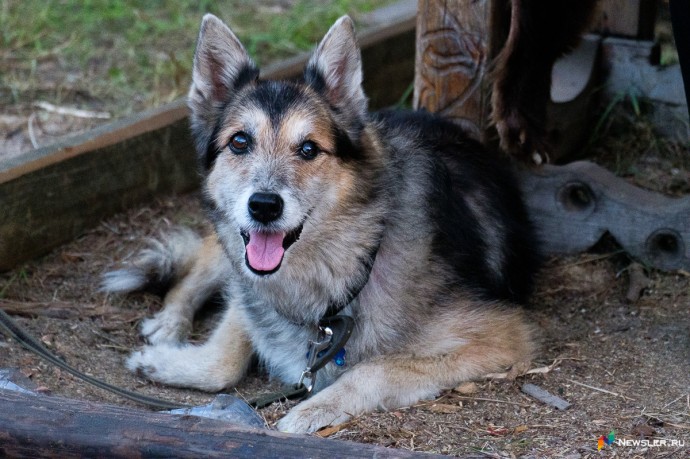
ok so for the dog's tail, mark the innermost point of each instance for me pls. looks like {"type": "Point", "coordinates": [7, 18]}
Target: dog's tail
{"type": "Point", "coordinates": [156, 268]}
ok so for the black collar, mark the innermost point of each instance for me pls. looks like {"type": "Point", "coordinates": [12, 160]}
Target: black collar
{"type": "Point", "coordinates": [334, 307]}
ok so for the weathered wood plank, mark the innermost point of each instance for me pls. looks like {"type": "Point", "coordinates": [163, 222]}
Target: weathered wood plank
{"type": "Point", "coordinates": [69, 187]}
{"type": "Point", "coordinates": [573, 206]}
{"type": "Point", "coordinates": [38, 426]}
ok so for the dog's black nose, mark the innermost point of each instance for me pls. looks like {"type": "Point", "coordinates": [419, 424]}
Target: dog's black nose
{"type": "Point", "coordinates": [265, 207]}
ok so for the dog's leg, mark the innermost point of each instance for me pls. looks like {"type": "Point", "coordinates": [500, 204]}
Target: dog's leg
{"type": "Point", "coordinates": [219, 363]}
{"type": "Point", "coordinates": [481, 346]}
{"type": "Point", "coordinates": [205, 277]}
{"type": "Point", "coordinates": [540, 32]}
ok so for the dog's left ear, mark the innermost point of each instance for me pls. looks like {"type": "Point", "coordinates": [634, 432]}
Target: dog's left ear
{"type": "Point", "coordinates": [335, 68]}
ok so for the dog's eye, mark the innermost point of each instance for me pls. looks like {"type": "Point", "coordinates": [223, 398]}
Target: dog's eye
{"type": "Point", "coordinates": [239, 143]}
{"type": "Point", "coordinates": [308, 150]}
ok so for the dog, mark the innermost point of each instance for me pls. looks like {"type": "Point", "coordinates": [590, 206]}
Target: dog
{"type": "Point", "coordinates": [397, 220]}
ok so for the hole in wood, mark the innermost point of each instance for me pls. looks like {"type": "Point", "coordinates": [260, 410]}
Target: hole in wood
{"type": "Point", "coordinates": [576, 197]}
{"type": "Point", "coordinates": [665, 245]}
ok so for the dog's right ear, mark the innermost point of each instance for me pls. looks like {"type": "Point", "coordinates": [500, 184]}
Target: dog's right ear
{"type": "Point", "coordinates": [221, 66]}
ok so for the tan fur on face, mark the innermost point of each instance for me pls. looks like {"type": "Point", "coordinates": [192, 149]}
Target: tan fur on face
{"type": "Point", "coordinates": [278, 144]}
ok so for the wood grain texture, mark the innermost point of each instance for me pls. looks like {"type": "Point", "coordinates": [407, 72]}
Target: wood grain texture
{"type": "Point", "coordinates": [573, 206]}
{"type": "Point", "coordinates": [452, 61]}
{"type": "Point", "coordinates": [50, 427]}
{"type": "Point", "coordinates": [56, 202]}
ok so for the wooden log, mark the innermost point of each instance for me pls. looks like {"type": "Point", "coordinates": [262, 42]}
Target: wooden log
{"type": "Point", "coordinates": [573, 206]}
{"type": "Point", "coordinates": [53, 194]}
{"type": "Point", "coordinates": [38, 426]}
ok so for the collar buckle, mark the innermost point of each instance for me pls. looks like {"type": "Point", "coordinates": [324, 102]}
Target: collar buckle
{"type": "Point", "coordinates": [316, 349]}
{"type": "Point", "coordinates": [333, 333]}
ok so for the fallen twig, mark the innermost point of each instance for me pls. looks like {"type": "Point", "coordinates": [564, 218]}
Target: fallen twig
{"type": "Point", "coordinates": [539, 370]}
{"type": "Point", "coordinates": [544, 396]}
{"type": "Point", "coordinates": [69, 111]}
{"type": "Point", "coordinates": [674, 401]}
{"type": "Point", "coordinates": [56, 309]}
{"type": "Point", "coordinates": [599, 389]}
{"type": "Point", "coordinates": [330, 430]}
{"type": "Point", "coordinates": [492, 400]}
{"type": "Point", "coordinates": [32, 134]}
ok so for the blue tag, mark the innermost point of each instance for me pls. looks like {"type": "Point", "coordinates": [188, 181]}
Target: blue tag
{"type": "Point", "coordinates": [339, 358]}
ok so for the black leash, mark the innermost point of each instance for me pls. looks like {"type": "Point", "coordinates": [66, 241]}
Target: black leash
{"type": "Point", "coordinates": [30, 343]}
{"type": "Point", "coordinates": [336, 331]}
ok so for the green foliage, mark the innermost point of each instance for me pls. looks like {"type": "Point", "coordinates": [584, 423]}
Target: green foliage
{"type": "Point", "coordinates": [133, 54]}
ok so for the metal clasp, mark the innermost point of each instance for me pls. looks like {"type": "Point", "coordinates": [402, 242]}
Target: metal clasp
{"type": "Point", "coordinates": [324, 340]}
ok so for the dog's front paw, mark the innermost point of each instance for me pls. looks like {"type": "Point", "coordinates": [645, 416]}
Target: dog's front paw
{"type": "Point", "coordinates": [147, 362]}
{"type": "Point", "coordinates": [166, 327]}
{"type": "Point", "coordinates": [308, 417]}
{"type": "Point", "coordinates": [186, 366]}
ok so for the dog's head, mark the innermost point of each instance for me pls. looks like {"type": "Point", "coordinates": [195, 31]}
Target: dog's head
{"type": "Point", "coordinates": [281, 158]}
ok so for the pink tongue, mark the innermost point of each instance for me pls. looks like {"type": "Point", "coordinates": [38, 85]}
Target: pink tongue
{"type": "Point", "coordinates": [265, 250]}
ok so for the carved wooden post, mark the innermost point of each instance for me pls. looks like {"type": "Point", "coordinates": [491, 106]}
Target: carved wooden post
{"type": "Point", "coordinates": [456, 40]}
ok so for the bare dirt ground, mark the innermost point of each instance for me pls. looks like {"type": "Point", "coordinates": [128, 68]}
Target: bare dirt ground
{"type": "Point", "coordinates": [623, 365]}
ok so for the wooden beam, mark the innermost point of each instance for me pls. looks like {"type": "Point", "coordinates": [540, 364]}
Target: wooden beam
{"type": "Point", "coordinates": [61, 190]}
{"type": "Point", "coordinates": [574, 205]}
{"type": "Point", "coordinates": [39, 426]}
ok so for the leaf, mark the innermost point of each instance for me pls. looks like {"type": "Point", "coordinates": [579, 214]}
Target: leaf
{"type": "Point", "coordinates": [330, 430]}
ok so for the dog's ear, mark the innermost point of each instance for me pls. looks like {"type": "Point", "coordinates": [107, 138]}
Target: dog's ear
{"type": "Point", "coordinates": [335, 68]}
{"type": "Point", "coordinates": [220, 63]}
{"type": "Point", "coordinates": [221, 66]}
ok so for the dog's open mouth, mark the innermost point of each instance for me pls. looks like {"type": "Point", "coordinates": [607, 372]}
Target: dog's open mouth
{"type": "Point", "coordinates": [264, 250]}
